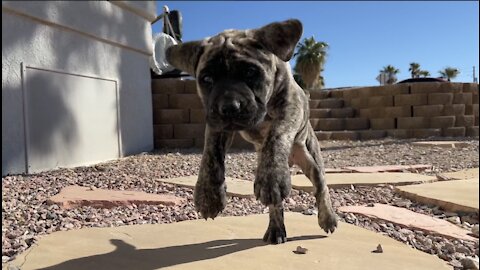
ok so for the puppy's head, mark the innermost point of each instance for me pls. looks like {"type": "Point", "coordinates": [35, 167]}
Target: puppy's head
{"type": "Point", "coordinates": [235, 70]}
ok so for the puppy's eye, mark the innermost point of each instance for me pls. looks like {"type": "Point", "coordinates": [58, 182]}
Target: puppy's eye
{"type": "Point", "coordinates": [250, 72]}
{"type": "Point", "coordinates": [207, 79]}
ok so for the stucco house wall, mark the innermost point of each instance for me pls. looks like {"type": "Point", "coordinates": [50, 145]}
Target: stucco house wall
{"type": "Point", "coordinates": [75, 56]}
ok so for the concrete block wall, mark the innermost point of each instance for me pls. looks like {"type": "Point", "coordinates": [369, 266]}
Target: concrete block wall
{"type": "Point", "coordinates": [179, 117]}
{"type": "Point", "coordinates": [417, 110]}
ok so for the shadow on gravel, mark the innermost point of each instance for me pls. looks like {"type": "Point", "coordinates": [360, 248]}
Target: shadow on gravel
{"type": "Point", "coordinates": [127, 257]}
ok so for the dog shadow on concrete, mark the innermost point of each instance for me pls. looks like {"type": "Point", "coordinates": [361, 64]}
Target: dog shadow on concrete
{"type": "Point", "coordinates": [127, 257]}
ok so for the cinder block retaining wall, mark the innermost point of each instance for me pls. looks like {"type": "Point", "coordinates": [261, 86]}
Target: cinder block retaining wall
{"type": "Point", "coordinates": [416, 110]}
{"type": "Point", "coordinates": [178, 116]}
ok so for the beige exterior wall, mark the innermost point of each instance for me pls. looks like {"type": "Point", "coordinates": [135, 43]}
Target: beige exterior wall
{"type": "Point", "coordinates": [104, 40]}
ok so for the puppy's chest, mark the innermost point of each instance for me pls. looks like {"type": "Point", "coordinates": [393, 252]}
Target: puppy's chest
{"type": "Point", "coordinates": [257, 134]}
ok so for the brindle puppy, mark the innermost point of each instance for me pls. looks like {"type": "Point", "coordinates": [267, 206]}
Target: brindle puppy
{"type": "Point", "coordinates": [246, 86]}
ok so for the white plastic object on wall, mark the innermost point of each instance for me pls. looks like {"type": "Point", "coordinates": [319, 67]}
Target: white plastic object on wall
{"type": "Point", "coordinates": [158, 61]}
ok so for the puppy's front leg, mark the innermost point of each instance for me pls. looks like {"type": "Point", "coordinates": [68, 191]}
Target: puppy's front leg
{"type": "Point", "coordinates": [272, 182]}
{"type": "Point", "coordinates": [210, 190]}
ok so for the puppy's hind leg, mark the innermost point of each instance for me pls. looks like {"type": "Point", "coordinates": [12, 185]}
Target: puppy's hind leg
{"type": "Point", "coordinates": [308, 157]}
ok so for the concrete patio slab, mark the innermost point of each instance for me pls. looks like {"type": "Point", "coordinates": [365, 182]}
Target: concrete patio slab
{"type": "Point", "coordinates": [77, 196]}
{"type": "Point", "coordinates": [405, 217]}
{"type": "Point", "coordinates": [443, 144]}
{"type": "Point", "coordinates": [453, 196]}
{"type": "Point", "coordinates": [390, 168]}
{"type": "Point", "coordinates": [460, 175]}
{"type": "Point", "coordinates": [301, 182]}
{"type": "Point", "coordinates": [235, 187]}
{"type": "Point", "coordinates": [225, 243]}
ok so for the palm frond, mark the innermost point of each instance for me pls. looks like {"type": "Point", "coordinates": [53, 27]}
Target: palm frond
{"type": "Point", "coordinates": [311, 57]}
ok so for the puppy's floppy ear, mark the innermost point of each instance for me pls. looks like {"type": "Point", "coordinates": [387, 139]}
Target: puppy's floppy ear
{"type": "Point", "coordinates": [280, 38]}
{"type": "Point", "coordinates": [185, 56]}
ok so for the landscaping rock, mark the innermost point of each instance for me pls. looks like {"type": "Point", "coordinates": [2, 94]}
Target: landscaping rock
{"type": "Point", "coordinates": [300, 250]}
{"type": "Point", "coordinates": [475, 230]}
{"type": "Point", "coordinates": [470, 263]}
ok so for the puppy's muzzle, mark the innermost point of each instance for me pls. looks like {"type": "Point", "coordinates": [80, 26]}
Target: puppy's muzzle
{"type": "Point", "coordinates": [230, 108]}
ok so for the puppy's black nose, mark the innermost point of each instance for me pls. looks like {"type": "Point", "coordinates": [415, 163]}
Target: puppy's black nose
{"type": "Point", "coordinates": [229, 108]}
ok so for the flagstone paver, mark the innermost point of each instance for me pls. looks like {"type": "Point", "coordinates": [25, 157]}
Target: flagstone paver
{"type": "Point", "coordinates": [235, 187]}
{"type": "Point", "coordinates": [454, 196]}
{"type": "Point", "coordinates": [460, 175]}
{"type": "Point", "coordinates": [389, 168]}
{"type": "Point", "coordinates": [443, 144]}
{"type": "Point", "coordinates": [301, 182]}
{"type": "Point", "coordinates": [77, 196]}
{"type": "Point", "coordinates": [225, 243]}
{"type": "Point", "coordinates": [337, 170]}
{"type": "Point", "coordinates": [405, 217]}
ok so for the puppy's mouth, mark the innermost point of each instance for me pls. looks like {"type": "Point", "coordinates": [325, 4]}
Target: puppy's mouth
{"type": "Point", "coordinates": [234, 126]}
{"type": "Point", "coordinates": [240, 122]}
{"type": "Point", "coordinates": [237, 125]}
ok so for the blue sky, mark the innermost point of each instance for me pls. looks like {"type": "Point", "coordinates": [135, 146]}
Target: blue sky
{"type": "Point", "coordinates": [363, 36]}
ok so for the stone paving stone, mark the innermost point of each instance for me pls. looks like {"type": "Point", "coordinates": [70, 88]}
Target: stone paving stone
{"type": "Point", "coordinates": [336, 177]}
{"type": "Point", "coordinates": [225, 243]}
{"type": "Point", "coordinates": [77, 196]}
{"type": "Point", "coordinates": [443, 144]}
{"type": "Point", "coordinates": [460, 175]}
{"type": "Point", "coordinates": [453, 196]}
{"type": "Point", "coordinates": [235, 187]}
{"type": "Point", "coordinates": [335, 180]}
{"type": "Point", "coordinates": [389, 168]}
{"type": "Point", "coordinates": [337, 170]}
{"type": "Point", "coordinates": [405, 217]}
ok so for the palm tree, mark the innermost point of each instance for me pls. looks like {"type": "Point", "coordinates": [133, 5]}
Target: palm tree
{"type": "Point", "coordinates": [390, 71]}
{"type": "Point", "coordinates": [319, 84]}
{"type": "Point", "coordinates": [414, 69]}
{"type": "Point", "coordinates": [310, 60]}
{"type": "Point", "coordinates": [424, 73]}
{"type": "Point", "coordinates": [449, 73]}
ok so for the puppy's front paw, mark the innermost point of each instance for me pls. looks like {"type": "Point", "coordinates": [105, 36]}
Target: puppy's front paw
{"type": "Point", "coordinates": [209, 199]}
{"type": "Point", "coordinates": [272, 188]}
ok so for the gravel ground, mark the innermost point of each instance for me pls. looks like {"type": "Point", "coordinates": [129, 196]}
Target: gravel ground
{"type": "Point", "coordinates": [26, 216]}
